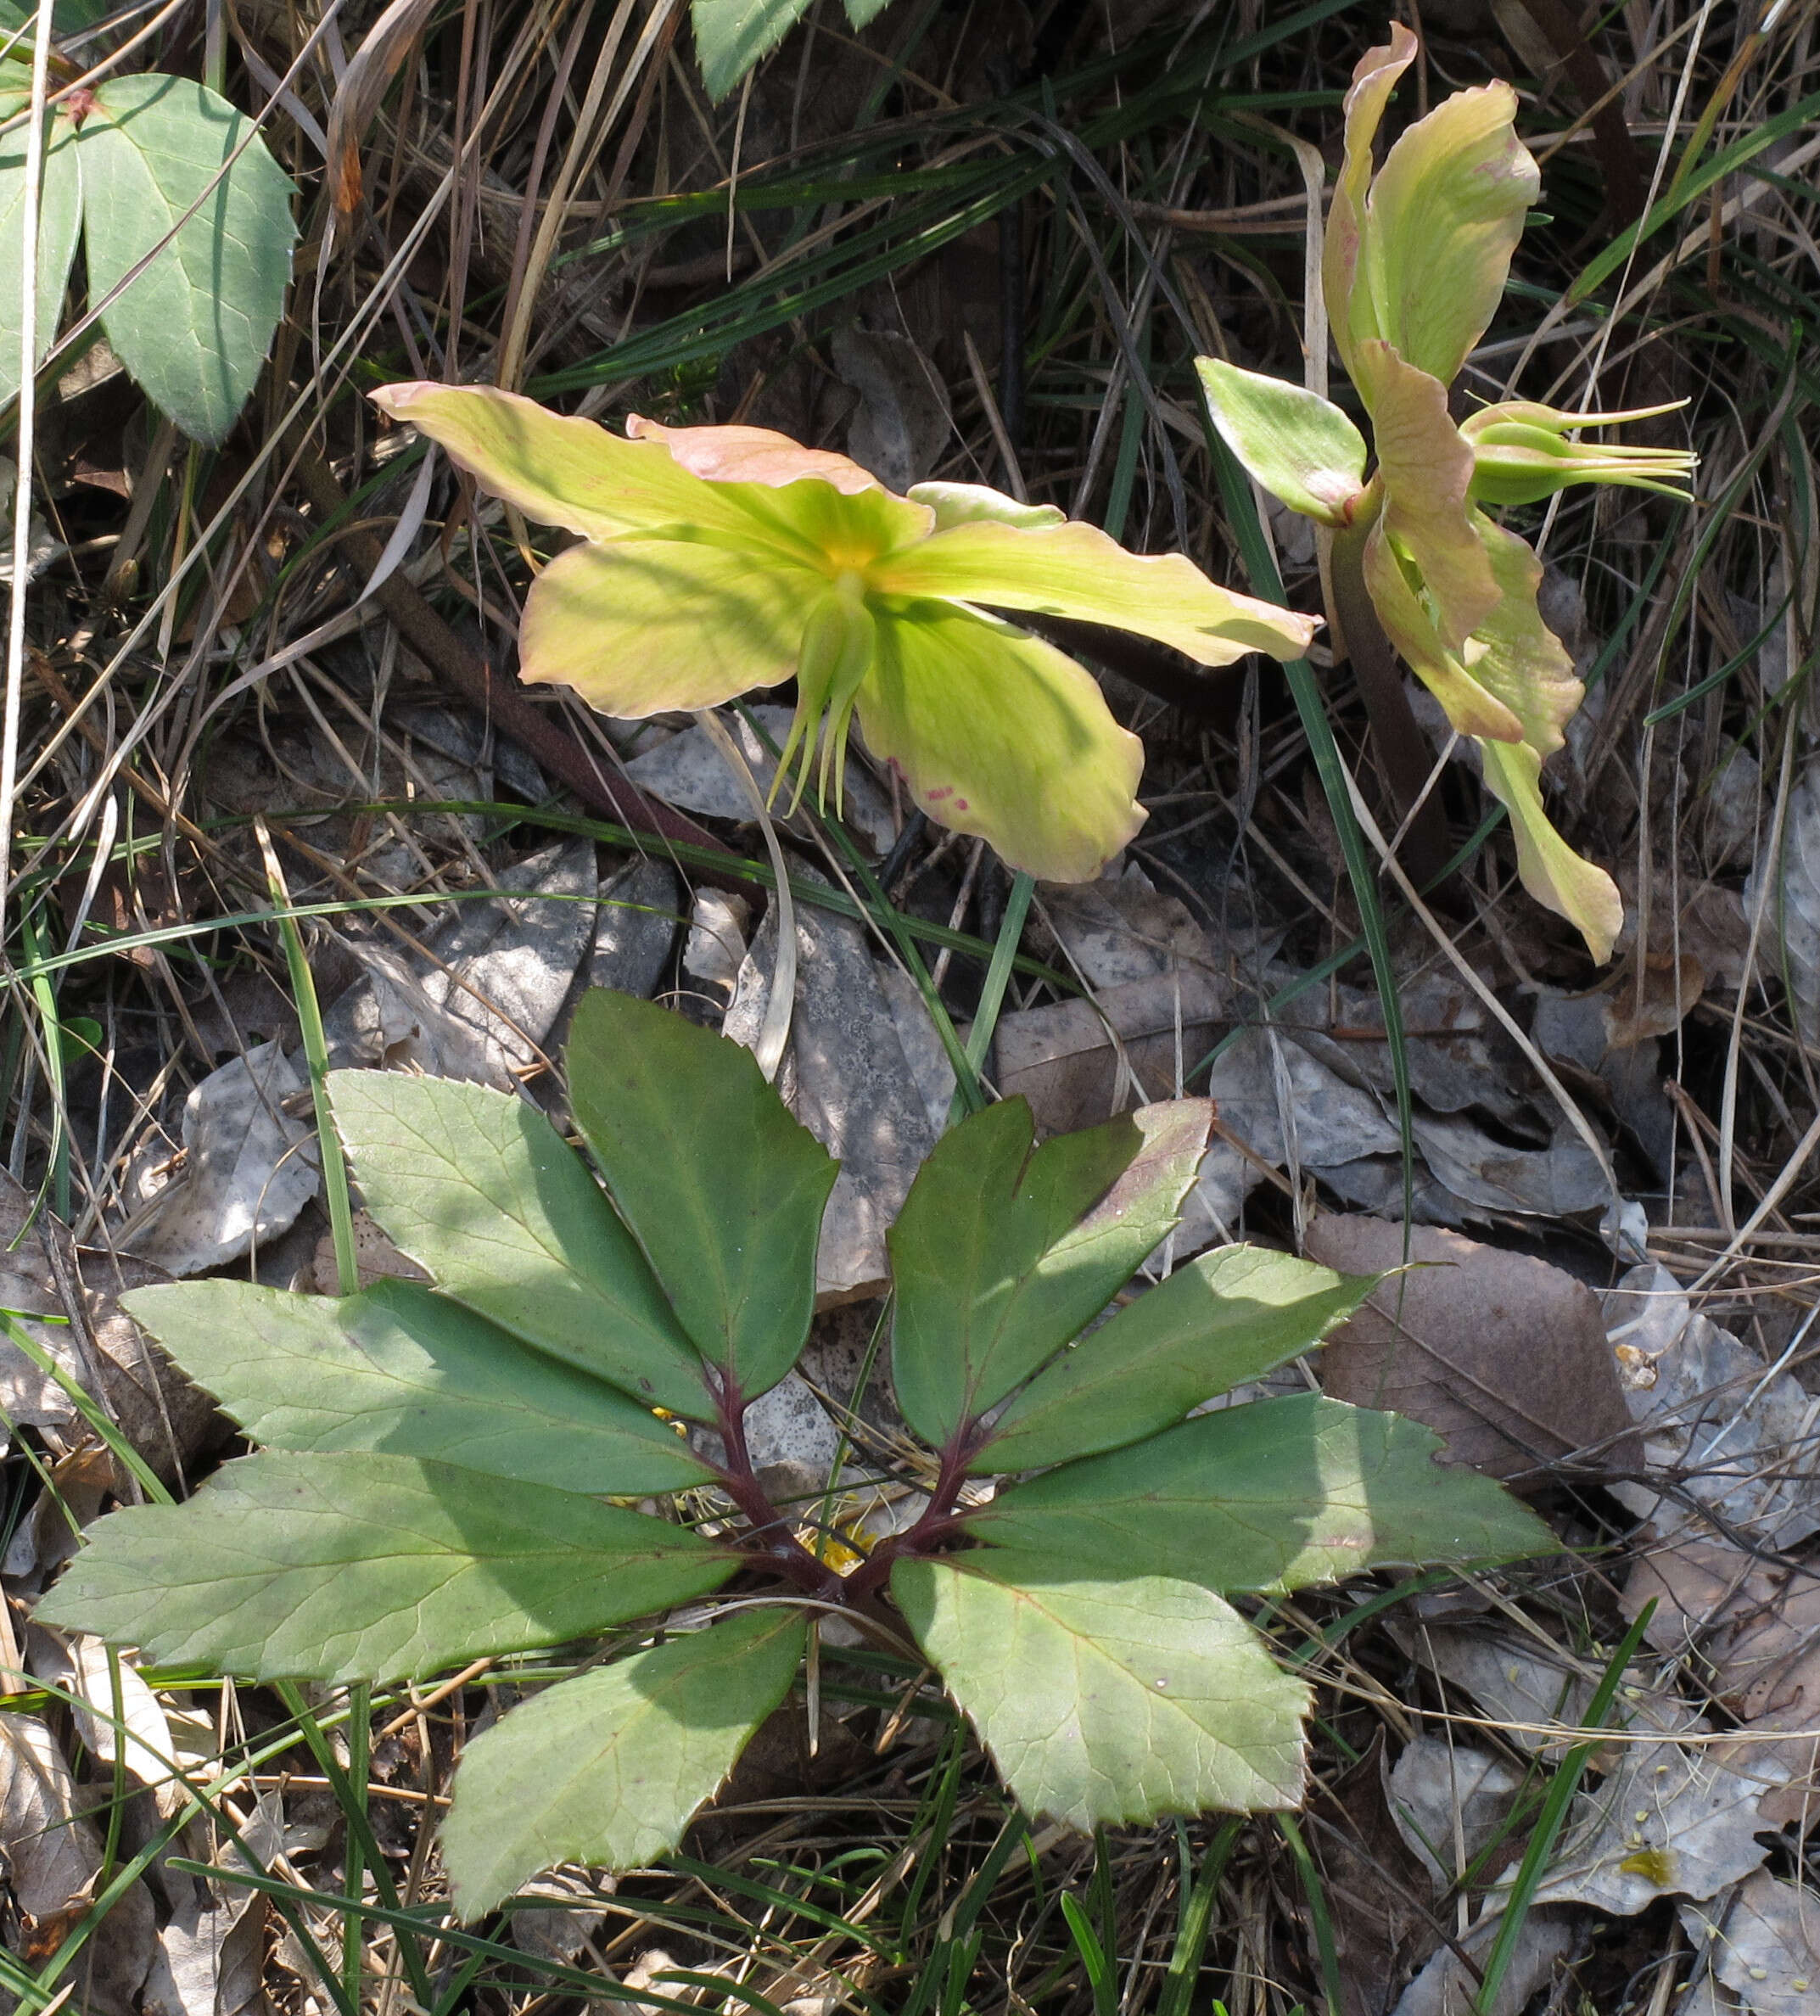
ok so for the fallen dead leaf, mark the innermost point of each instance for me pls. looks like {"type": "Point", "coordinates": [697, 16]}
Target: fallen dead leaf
{"type": "Point", "coordinates": [1502, 1354]}
{"type": "Point", "coordinates": [1764, 1943]}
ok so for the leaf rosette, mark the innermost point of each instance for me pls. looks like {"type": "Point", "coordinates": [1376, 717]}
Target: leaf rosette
{"type": "Point", "coordinates": [716, 560]}
{"type": "Point", "coordinates": [450, 1472]}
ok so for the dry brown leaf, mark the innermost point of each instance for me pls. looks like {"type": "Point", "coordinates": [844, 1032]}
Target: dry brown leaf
{"type": "Point", "coordinates": [1502, 1355]}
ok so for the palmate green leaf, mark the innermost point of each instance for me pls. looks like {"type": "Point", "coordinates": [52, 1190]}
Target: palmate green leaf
{"type": "Point", "coordinates": [482, 1193]}
{"type": "Point", "coordinates": [723, 1189]}
{"type": "Point", "coordinates": [1270, 1496]}
{"type": "Point", "coordinates": [59, 222]}
{"type": "Point", "coordinates": [370, 1567]}
{"type": "Point", "coordinates": [1301, 447]}
{"type": "Point", "coordinates": [402, 1369]}
{"type": "Point", "coordinates": [608, 1768]}
{"type": "Point", "coordinates": [193, 328]}
{"type": "Point", "coordinates": [1226, 1316]}
{"type": "Point", "coordinates": [1003, 1251]}
{"type": "Point", "coordinates": [1113, 1701]}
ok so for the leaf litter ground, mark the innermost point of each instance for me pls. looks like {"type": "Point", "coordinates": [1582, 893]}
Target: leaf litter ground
{"type": "Point", "coordinates": [202, 659]}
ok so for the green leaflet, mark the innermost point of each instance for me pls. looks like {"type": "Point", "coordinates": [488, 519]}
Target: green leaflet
{"type": "Point", "coordinates": [608, 1768]}
{"type": "Point", "coordinates": [484, 1194]}
{"type": "Point", "coordinates": [1108, 1701]}
{"type": "Point", "coordinates": [370, 1567]}
{"type": "Point", "coordinates": [1270, 1496]}
{"type": "Point", "coordinates": [163, 156]}
{"type": "Point", "coordinates": [402, 1369]}
{"type": "Point", "coordinates": [1226, 1316]}
{"type": "Point", "coordinates": [998, 1257]}
{"type": "Point", "coordinates": [721, 1187]}
{"type": "Point", "coordinates": [59, 221]}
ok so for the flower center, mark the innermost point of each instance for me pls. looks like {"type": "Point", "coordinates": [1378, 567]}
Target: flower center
{"type": "Point", "coordinates": [839, 637]}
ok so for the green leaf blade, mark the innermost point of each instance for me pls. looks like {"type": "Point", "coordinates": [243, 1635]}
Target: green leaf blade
{"type": "Point", "coordinates": [609, 1768]}
{"type": "Point", "coordinates": [401, 1370]}
{"type": "Point", "coordinates": [194, 327]}
{"type": "Point", "coordinates": [1273, 1496]}
{"type": "Point", "coordinates": [731, 36]}
{"type": "Point", "coordinates": [370, 1567]}
{"type": "Point", "coordinates": [722, 1188]}
{"type": "Point", "coordinates": [1003, 1250]}
{"type": "Point", "coordinates": [1226, 1316]}
{"type": "Point", "coordinates": [484, 1194]}
{"type": "Point", "coordinates": [1110, 1701]}
{"type": "Point", "coordinates": [59, 223]}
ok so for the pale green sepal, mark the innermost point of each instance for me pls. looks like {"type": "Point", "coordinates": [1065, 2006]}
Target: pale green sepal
{"type": "Point", "coordinates": [1075, 570]}
{"type": "Point", "coordinates": [967, 503]}
{"type": "Point", "coordinates": [1303, 450]}
{"type": "Point", "coordinates": [401, 1369]}
{"type": "Point", "coordinates": [1411, 629]}
{"type": "Point", "coordinates": [370, 1567]}
{"type": "Point", "coordinates": [59, 224]}
{"type": "Point", "coordinates": [645, 626]}
{"type": "Point", "coordinates": [1350, 311]}
{"type": "Point", "coordinates": [607, 1768]}
{"type": "Point", "coordinates": [1272, 1495]}
{"type": "Point", "coordinates": [1554, 874]}
{"type": "Point", "coordinates": [1518, 658]}
{"type": "Point", "coordinates": [482, 1193]}
{"type": "Point", "coordinates": [998, 734]}
{"type": "Point", "coordinates": [1227, 1316]}
{"type": "Point", "coordinates": [1108, 1701]}
{"type": "Point", "coordinates": [1442, 219]}
{"type": "Point", "coordinates": [164, 159]}
{"type": "Point", "coordinates": [722, 1188]}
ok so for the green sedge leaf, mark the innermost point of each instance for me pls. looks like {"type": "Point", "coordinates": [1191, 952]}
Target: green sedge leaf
{"type": "Point", "coordinates": [1003, 1250]}
{"type": "Point", "coordinates": [1352, 314]}
{"type": "Point", "coordinates": [609, 1767]}
{"type": "Point", "coordinates": [370, 1567]}
{"type": "Point", "coordinates": [1270, 1496]}
{"type": "Point", "coordinates": [969, 503]}
{"type": "Point", "coordinates": [731, 36]}
{"type": "Point", "coordinates": [1409, 626]}
{"type": "Point", "coordinates": [482, 1193]}
{"type": "Point", "coordinates": [164, 158]}
{"type": "Point", "coordinates": [1554, 874]}
{"type": "Point", "coordinates": [723, 1189]}
{"type": "Point", "coordinates": [1425, 471]}
{"type": "Point", "coordinates": [1000, 735]}
{"type": "Point", "coordinates": [1108, 1701]}
{"type": "Point", "coordinates": [1075, 570]}
{"type": "Point", "coordinates": [59, 222]}
{"type": "Point", "coordinates": [643, 626]}
{"type": "Point", "coordinates": [1304, 451]}
{"type": "Point", "coordinates": [1226, 1316]}
{"type": "Point", "coordinates": [402, 1369]}
{"type": "Point", "coordinates": [1444, 216]}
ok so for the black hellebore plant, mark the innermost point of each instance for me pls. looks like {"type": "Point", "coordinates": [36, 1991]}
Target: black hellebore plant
{"type": "Point", "coordinates": [443, 1470]}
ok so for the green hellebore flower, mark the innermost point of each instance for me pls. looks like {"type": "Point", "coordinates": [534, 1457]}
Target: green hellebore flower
{"type": "Point", "coordinates": [717, 559]}
{"type": "Point", "coordinates": [1522, 454]}
{"type": "Point", "coordinates": [1415, 261]}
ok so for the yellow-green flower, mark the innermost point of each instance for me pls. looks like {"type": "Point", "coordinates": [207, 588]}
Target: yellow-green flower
{"type": "Point", "coordinates": [717, 559]}
{"type": "Point", "coordinates": [1414, 263]}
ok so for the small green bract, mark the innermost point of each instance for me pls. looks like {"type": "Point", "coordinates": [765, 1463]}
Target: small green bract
{"type": "Point", "coordinates": [443, 1470]}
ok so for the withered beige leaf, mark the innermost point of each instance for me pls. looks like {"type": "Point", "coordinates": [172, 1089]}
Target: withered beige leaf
{"type": "Point", "coordinates": [1502, 1354]}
